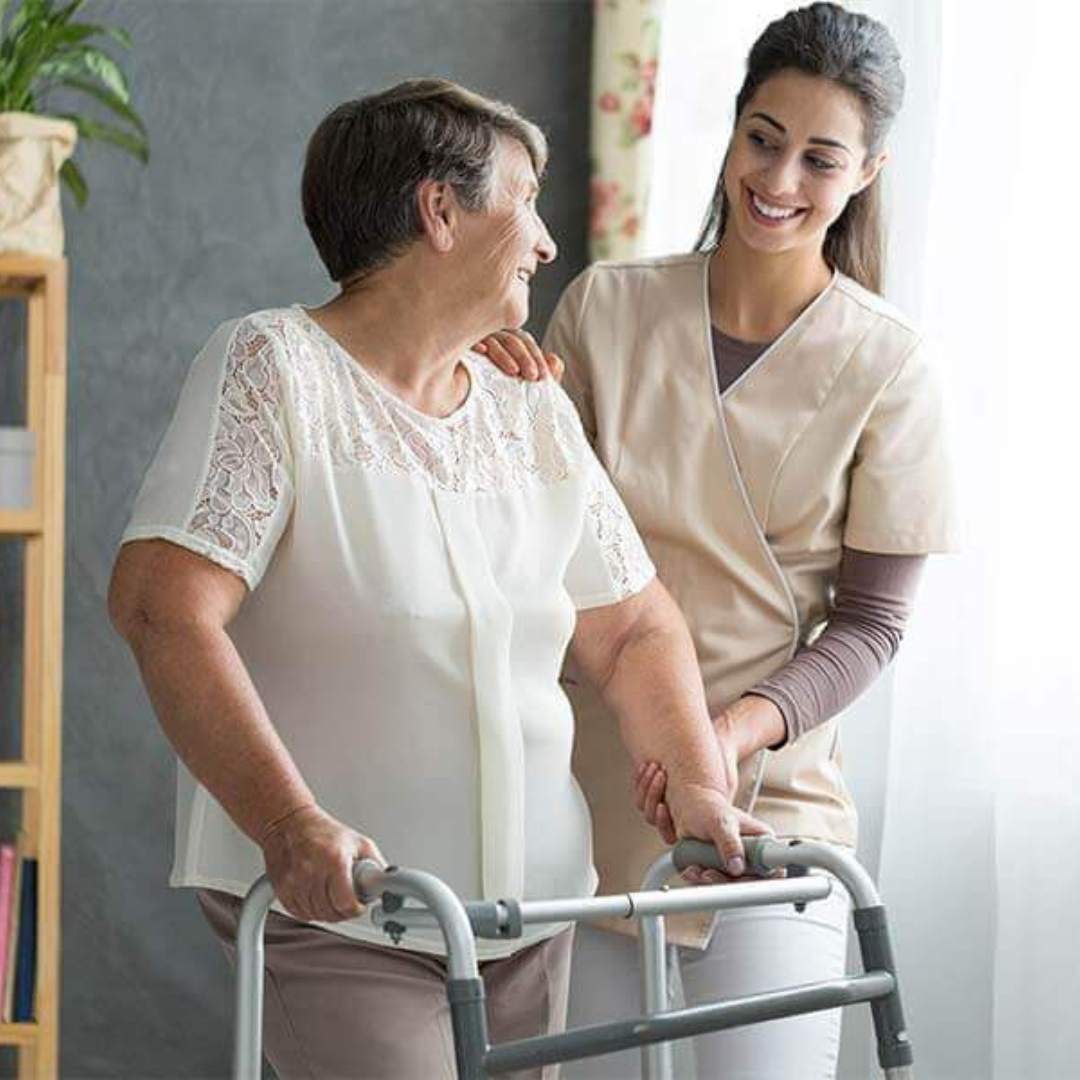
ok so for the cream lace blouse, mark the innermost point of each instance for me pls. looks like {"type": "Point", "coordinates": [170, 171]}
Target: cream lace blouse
{"type": "Point", "coordinates": [413, 584]}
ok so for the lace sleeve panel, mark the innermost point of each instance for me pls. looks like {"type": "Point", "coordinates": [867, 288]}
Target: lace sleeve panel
{"type": "Point", "coordinates": [610, 563]}
{"type": "Point", "coordinates": [247, 489]}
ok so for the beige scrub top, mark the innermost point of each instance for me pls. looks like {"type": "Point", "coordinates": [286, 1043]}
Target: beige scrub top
{"type": "Point", "coordinates": [833, 437]}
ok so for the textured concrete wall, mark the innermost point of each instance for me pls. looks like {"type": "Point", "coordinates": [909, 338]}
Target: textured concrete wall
{"type": "Point", "coordinates": [230, 91]}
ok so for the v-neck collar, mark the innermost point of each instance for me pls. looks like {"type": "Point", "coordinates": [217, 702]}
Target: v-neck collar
{"type": "Point", "coordinates": [777, 343]}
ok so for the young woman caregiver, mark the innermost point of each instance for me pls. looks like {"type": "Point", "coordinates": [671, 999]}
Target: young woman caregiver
{"type": "Point", "coordinates": [774, 429]}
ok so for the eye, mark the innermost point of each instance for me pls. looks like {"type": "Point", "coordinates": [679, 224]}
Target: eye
{"type": "Point", "coordinates": [820, 163]}
{"type": "Point", "coordinates": [759, 141]}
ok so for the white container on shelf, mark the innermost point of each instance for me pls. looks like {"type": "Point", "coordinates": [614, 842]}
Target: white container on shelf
{"type": "Point", "coordinates": [16, 468]}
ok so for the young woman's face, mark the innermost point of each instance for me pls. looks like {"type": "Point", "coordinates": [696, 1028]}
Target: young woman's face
{"type": "Point", "coordinates": [797, 155]}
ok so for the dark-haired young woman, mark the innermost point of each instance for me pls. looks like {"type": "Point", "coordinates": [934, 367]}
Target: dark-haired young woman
{"type": "Point", "coordinates": [775, 432]}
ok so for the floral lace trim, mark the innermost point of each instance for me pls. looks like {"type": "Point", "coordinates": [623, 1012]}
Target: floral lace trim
{"type": "Point", "coordinates": [243, 481]}
{"type": "Point", "coordinates": [623, 552]}
{"type": "Point", "coordinates": [507, 435]}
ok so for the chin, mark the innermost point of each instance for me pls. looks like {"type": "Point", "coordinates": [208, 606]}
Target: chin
{"type": "Point", "coordinates": [769, 243]}
{"type": "Point", "coordinates": [515, 314]}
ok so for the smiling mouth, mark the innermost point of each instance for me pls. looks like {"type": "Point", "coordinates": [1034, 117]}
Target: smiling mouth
{"type": "Point", "coordinates": [770, 213]}
{"type": "Point", "coordinates": [524, 276]}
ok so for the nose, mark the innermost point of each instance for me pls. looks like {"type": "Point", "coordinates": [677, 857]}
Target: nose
{"type": "Point", "coordinates": [545, 246]}
{"type": "Point", "coordinates": [782, 176]}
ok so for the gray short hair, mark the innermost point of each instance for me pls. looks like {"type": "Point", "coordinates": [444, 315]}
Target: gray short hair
{"type": "Point", "coordinates": [367, 158]}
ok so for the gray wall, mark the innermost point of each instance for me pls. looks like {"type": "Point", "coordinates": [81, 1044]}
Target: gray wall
{"type": "Point", "coordinates": [159, 257]}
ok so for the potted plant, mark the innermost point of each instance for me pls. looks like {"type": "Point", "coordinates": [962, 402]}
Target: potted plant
{"type": "Point", "coordinates": [43, 49]}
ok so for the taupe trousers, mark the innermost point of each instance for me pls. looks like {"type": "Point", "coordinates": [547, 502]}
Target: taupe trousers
{"type": "Point", "coordinates": [336, 1008]}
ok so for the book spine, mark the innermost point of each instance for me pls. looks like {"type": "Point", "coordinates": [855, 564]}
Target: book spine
{"type": "Point", "coordinates": [6, 1009]}
{"type": "Point", "coordinates": [26, 965]}
{"type": "Point", "coordinates": [7, 883]}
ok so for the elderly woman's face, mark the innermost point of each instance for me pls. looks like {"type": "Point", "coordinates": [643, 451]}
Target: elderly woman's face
{"type": "Point", "coordinates": [506, 241]}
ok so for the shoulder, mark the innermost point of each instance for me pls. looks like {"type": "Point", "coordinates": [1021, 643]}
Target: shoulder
{"type": "Point", "coordinates": [604, 289]}
{"type": "Point", "coordinates": [882, 340]}
{"type": "Point", "coordinates": [250, 352]}
{"type": "Point", "coordinates": [524, 408]}
{"type": "Point", "coordinates": [877, 313]}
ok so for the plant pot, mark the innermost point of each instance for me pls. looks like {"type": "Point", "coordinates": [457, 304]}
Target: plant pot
{"type": "Point", "coordinates": [32, 149]}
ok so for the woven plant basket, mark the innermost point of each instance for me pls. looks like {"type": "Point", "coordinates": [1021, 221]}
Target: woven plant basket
{"type": "Point", "coordinates": [32, 150]}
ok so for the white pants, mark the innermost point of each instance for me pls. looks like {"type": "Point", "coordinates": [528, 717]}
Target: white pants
{"type": "Point", "coordinates": [751, 950]}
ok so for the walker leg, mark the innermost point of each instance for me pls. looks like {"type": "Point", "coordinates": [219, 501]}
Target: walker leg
{"type": "Point", "coordinates": [656, 1058]}
{"type": "Point", "coordinates": [893, 1044]}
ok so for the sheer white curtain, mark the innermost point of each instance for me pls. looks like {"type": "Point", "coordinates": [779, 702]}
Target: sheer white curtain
{"type": "Point", "coordinates": [962, 761]}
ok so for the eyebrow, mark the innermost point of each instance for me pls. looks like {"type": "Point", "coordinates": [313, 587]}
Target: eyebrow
{"type": "Point", "coordinates": [817, 140]}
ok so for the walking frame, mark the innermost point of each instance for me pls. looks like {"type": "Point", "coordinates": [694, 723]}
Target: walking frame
{"type": "Point", "coordinates": [388, 888]}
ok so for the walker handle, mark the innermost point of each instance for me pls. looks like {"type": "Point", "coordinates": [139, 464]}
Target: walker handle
{"type": "Point", "coordinates": [688, 853]}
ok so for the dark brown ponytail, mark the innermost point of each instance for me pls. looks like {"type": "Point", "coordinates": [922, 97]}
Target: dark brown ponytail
{"type": "Point", "coordinates": [859, 54]}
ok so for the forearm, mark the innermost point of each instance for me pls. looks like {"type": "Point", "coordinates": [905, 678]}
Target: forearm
{"type": "Point", "coordinates": [874, 597]}
{"type": "Point", "coordinates": [654, 690]}
{"type": "Point", "coordinates": [211, 712]}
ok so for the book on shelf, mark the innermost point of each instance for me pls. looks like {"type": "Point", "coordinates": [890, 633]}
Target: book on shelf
{"type": "Point", "coordinates": [26, 962]}
{"type": "Point", "coordinates": [7, 895]}
{"type": "Point", "coordinates": [18, 931]}
{"type": "Point", "coordinates": [7, 1005]}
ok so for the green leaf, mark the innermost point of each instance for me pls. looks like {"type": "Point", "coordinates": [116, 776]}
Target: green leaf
{"type": "Point", "coordinates": [122, 37]}
{"type": "Point", "coordinates": [76, 32]}
{"type": "Point", "coordinates": [135, 145]}
{"type": "Point", "coordinates": [107, 98]}
{"type": "Point", "coordinates": [101, 66]}
{"type": "Point", "coordinates": [71, 175]}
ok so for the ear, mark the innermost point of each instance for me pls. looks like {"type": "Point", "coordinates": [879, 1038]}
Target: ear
{"type": "Point", "coordinates": [439, 211]}
{"type": "Point", "coordinates": [870, 170]}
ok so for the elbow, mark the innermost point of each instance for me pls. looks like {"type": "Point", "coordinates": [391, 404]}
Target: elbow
{"type": "Point", "coordinates": [127, 615]}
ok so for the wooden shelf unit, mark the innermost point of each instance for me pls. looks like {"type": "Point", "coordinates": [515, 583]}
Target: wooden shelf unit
{"type": "Point", "coordinates": [42, 284]}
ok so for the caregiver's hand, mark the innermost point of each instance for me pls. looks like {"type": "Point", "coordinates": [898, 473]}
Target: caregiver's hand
{"type": "Point", "coordinates": [650, 783]}
{"type": "Point", "coordinates": [517, 352]}
{"type": "Point", "coordinates": [309, 860]}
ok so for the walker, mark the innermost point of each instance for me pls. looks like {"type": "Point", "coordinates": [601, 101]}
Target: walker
{"type": "Point", "coordinates": [459, 922]}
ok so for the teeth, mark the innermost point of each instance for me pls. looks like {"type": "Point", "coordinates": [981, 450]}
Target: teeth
{"type": "Point", "coordinates": [776, 212]}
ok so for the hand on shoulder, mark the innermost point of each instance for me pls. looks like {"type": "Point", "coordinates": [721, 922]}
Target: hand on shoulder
{"type": "Point", "coordinates": [517, 352]}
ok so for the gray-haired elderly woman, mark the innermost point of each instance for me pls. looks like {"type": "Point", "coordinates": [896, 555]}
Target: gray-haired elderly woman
{"type": "Point", "coordinates": [351, 577]}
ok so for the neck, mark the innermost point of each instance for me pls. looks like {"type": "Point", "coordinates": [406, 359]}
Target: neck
{"type": "Point", "coordinates": [756, 296]}
{"type": "Point", "coordinates": [405, 335]}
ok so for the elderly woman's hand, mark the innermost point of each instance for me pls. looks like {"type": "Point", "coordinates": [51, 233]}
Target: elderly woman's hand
{"type": "Point", "coordinates": [309, 860]}
{"type": "Point", "coordinates": [517, 352]}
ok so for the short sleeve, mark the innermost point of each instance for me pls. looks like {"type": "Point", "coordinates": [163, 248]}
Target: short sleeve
{"type": "Point", "coordinates": [900, 498]}
{"type": "Point", "coordinates": [610, 562]}
{"type": "Point", "coordinates": [221, 482]}
{"type": "Point", "coordinates": [563, 338]}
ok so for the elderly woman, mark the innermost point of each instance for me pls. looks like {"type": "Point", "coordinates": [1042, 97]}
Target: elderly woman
{"type": "Point", "coordinates": [351, 577]}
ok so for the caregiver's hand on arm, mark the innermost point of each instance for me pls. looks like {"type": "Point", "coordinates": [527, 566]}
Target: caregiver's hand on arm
{"type": "Point", "coordinates": [172, 607]}
{"type": "Point", "coordinates": [747, 725]}
{"type": "Point", "coordinates": [517, 352]}
{"type": "Point", "coordinates": [640, 656]}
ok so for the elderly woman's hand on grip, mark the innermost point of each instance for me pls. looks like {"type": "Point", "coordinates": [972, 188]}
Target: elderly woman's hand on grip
{"type": "Point", "coordinates": [309, 860]}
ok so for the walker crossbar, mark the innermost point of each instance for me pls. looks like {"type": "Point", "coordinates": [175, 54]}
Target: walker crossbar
{"type": "Point", "coordinates": [599, 1039]}
{"type": "Point", "coordinates": [476, 1059]}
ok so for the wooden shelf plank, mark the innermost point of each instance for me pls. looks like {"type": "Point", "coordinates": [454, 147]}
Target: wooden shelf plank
{"type": "Point", "coordinates": [18, 1034]}
{"type": "Point", "coordinates": [16, 774]}
{"type": "Point", "coordinates": [22, 271]}
{"type": "Point", "coordinates": [20, 522]}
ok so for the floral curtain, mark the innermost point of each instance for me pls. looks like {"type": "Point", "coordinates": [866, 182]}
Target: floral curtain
{"type": "Point", "coordinates": [626, 42]}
